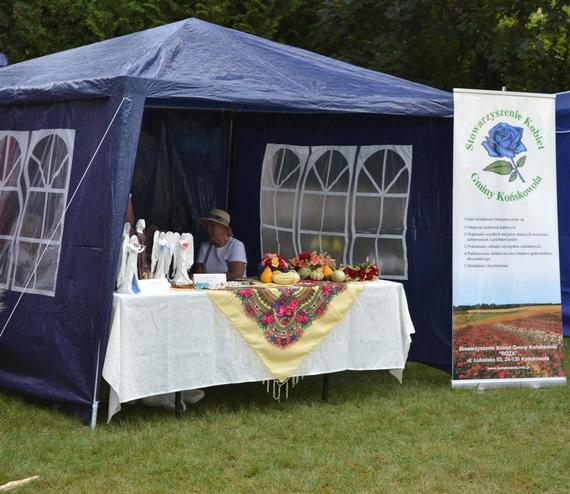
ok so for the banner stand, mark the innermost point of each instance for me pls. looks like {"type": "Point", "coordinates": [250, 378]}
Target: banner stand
{"type": "Point", "coordinates": [507, 317]}
{"type": "Point", "coordinates": [484, 384]}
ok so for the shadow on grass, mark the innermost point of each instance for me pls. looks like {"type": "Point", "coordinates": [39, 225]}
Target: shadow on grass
{"type": "Point", "coordinates": [44, 409]}
{"type": "Point", "coordinates": [344, 388]}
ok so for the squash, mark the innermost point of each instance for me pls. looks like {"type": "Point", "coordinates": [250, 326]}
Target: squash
{"type": "Point", "coordinates": [266, 276]}
{"type": "Point", "coordinates": [297, 277]}
{"type": "Point", "coordinates": [327, 271]}
{"type": "Point", "coordinates": [305, 273]}
{"type": "Point", "coordinates": [288, 278]}
{"type": "Point", "coordinates": [317, 275]}
{"type": "Point", "coordinates": [338, 275]}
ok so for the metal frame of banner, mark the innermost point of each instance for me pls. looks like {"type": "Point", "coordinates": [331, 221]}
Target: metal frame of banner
{"type": "Point", "coordinates": [531, 382]}
{"type": "Point", "coordinates": [503, 93]}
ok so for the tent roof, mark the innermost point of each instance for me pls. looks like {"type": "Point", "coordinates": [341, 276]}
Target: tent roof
{"type": "Point", "coordinates": [198, 60]}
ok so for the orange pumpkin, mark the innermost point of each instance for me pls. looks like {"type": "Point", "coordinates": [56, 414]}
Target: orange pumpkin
{"type": "Point", "coordinates": [266, 276]}
{"type": "Point", "coordinates": [327, 271]}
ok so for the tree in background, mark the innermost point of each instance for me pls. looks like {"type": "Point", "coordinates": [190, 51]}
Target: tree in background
{"type": "Point", "coordinates": [33, 28]}
{"type": "Point", "coordinates": [523, 45]}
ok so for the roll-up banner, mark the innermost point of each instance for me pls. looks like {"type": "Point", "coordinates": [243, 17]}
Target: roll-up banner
{"type": "Point", "coordinates": [507, 324]}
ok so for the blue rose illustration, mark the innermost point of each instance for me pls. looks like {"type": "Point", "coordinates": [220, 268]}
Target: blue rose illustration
{"type": "Point", "coordinates": [505, 141]}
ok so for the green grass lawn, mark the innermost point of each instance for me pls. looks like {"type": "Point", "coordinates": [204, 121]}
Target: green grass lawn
{"type": "Point", "coordinates": [374, 435]}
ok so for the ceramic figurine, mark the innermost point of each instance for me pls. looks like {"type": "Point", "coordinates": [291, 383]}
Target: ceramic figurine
{"type": "Point", "coordinates": [130, 281]}
{"type": "Point", "coordinates": [183, 259]}
{"type": "Point", "coordinates": [162, 252]}
{"type": "Point", "coordinates": [122, 264]}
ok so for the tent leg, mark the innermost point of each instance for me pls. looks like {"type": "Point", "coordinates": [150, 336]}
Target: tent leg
{"type": "Point", "coordinates": [94, 409]}
{"type": "Point", "coordinates": [95, 405]}
{"type": "Point", "coordinates": [326, 387]}
{"type": "Point", "coordinates": [178, 404]}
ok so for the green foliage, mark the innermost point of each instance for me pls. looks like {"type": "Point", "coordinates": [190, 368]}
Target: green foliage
{"type": "Point", "coordinates": [34, 28]}
{"type": "Point", "coordinates": [523, 45]}
{"type": "Point", "coordinates": [29, 29]}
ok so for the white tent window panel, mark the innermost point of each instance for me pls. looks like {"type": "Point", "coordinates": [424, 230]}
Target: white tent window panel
{"type": "Point", "coordinates": [283, 169]}
{"type": "Point", "coordinates": [13, 148]}
{"type": "Point", "coordinates": [324, 200]}
{"type": "Point", "coordinates": [380, 208]}
{"type": "Point", "coordinates": [45, 185]}
{"type": "Point", "coordinates": [351, 201]}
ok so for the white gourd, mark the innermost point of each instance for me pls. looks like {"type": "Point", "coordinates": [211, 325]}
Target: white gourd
{"type": "Point", "coordinates": [288, 278]}
{"type": "Point", "coordinates": [338, 275]}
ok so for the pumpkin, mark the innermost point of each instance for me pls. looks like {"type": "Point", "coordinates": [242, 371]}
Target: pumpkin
{"type": "Point", "coordinates": [327, 271]}
{"type": "Point", "coordinates": [297, 277]}
{"type": "Point", "coordinates": [305, 273]}
{"type": "Point", "coordinates": [266, 276]}
{"type": "Point", "coordinates": [317, 275]}
{"type": "Point", "coordinates": [338, 275]}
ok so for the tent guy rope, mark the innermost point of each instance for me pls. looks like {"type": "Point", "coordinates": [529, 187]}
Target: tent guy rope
{"type": "Point", "coordinates": [62, 216]}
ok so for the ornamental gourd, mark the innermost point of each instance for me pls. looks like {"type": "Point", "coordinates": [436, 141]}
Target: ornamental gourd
{"type": "Point", "coordinates": [317, 275]}
{"type": "Point", "coordinates": [288, 278]}
{"type": "Point", "coordinates": [305, 273]}
{"type": "Point", "coordinates": [338, 275]}
{"type": "Point", "coordinates": [327, 271]}
{"type": "Point", "coordinates": [266, 276]}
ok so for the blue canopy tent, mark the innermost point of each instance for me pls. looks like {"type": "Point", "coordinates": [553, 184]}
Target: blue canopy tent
{"type": "Point", "coordinates": [181, 115]}
{"type": "Point", "coordinates": [563, 180]}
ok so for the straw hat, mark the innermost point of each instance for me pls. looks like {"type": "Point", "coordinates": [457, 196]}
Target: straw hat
{"type": "Point", "coordinates": [216, 216]}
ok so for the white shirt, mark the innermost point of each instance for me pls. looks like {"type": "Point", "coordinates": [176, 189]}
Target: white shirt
{"type": "Point", "coordinates": [219, 257]}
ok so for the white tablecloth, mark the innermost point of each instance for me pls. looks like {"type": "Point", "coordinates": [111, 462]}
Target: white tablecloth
{"type": "Point", "coordinates": [164, 340]}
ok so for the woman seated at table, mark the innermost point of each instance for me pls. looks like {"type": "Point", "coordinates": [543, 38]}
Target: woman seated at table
{"type": "Point", "coordinates": [222, 253]}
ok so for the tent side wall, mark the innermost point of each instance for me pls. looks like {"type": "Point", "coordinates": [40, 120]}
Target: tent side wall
{"type": "Point", "coordinates": [181, 168]}
{"type": "Point", "coordinates": [50, 341]}
{"type": "Point", "coordinates": [563, 185]}
{"type": "Point", "coordinates": [428, 286]}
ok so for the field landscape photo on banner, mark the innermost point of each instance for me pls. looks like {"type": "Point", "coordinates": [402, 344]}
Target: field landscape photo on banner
{"type": "Point", "coordinates": [507, 322]}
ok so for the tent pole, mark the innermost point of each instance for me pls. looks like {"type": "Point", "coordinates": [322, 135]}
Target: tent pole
{"type": "Point", "coordinates": [230, 160]}
{"type": "Point", "coordinates": [95, 405]}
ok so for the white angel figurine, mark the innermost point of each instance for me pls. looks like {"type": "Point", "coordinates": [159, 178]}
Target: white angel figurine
{"type": "Point", "coordinates": [183, 259]}
{"type": "Point", "coordinates": [130, 281]}
{"type": "Point", "coordinates": [122, 264]}
{"type": "Point", "coordinates": [188, 237]}
{"type": "Point", "coordinates": [161, 255]}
